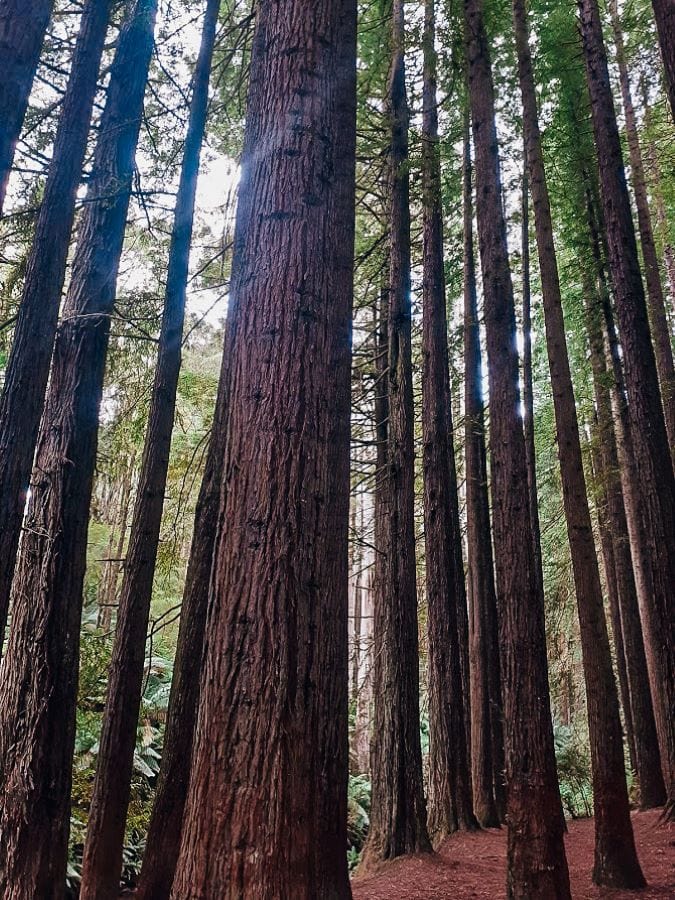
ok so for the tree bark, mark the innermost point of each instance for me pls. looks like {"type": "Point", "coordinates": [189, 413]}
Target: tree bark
{"type": "Point", "coordinates": [398, 813]}
{"type": "Point", "coordinates": [647, 427]}
{"type": "Point", "coordinates": [23, 24]}
{"type": "Point", "coordinates": [487, 734]}
{"type": "Point", "coordinates": [267, 803]}
{"type": "Point", "coordinates": [616, 862]}
{"type": "Point", "coordinates": [450, 800]}
{"type": "Point", "coordinates": [537, 865]}
{"type": "Point", "coordinates": [664, 13]}
{"type": "Point", "coordinates": [39, 674]}
{"type": "Point", "coordinates": [27, 371]}
{"type": "Point", "coordinates": [102, 860]}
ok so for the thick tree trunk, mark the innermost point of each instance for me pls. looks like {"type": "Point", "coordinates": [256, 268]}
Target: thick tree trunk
{"type": "Point", "coordinates": [39, 674]}
{"type": "Point", "coordinates": [616, 862]}
{"type": "Point", "coordinates": [398, 813]}
{"type": "Point", "coordinates": [267, 805]}
{"type": "Point", "coordinates": [487, 734]}
{"type": "Point", "coordinates": [23, 24]}
{"type": "Point", "coordinates": [658, 320]}
{"type": "Point", "coordinates": [537, 865]}
{"type": "Point", "coordinates": [102, 860]}
{"type": "Point", "coordinates": [450, 800]}
{"type": "Point", "coordinates": [28, 365]}
{"type": "Point", "coordinates": [664, 13]}
{"type": "Point", "coordinates": [647, 427]}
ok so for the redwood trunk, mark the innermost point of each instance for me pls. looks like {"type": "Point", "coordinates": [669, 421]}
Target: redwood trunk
{"type": "Point", "coordinates": [267, 804]}
{"type": "Point", "coordinates": [487, 734]}
{"type": "Point", "coordinates": [398, 813]}
{"type": "Point", "coordinates": [647, 427]}
{"type": "Point", "coordinates": [664, 13]}
{"type": "Point", "coordinates": [537, 865]}
{"type": "Point", "coordinates": [27, 371]}
{"type": "Point", "coordinates": [23, 24]}
{"type": "Point", "coordinates": [450, 800]}
{"type": "Point", "coordinates": [616, 862]}
{"type": "Point", "coordinates": [102, 861]}
{"type": "Point", "coordinates": [39, 673]}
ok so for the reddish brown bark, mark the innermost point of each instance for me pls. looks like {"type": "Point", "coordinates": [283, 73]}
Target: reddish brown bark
{"type": "Point", "coordinates": [23, 24]}
{"type": "Point", "coordinates": [647, 427]}
{"type": "Point", "coordinates": [39, 673]}
{"type": "Point", "coordinates": [267, 804]}
{"type": "Point", "coordinates": [537, 864]}
{"type": "Point", "coordinates": [664, 13]}
{"type": "Point", "coordinates": [450, 800]}
{"type": "Point", "coordinates": [616, 862]}
{"type": "Point", "coordinates": [28, 365]}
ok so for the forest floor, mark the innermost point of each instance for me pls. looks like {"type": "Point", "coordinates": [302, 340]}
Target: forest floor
{"type": "Point", "coordinates": [474, 866]}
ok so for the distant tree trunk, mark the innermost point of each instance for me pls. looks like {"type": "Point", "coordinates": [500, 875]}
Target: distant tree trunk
{"type": "Point", "coordinates": [658, 321]}
{"type": "Point", "coordinates": [361, 738]}
{"type": "Point", "coordinates": [537, 865]}
{"type": "Point", "coordinates": [102, 860]}
{"type": "Point", "coordinates": [109, 585]}
{"type": "Point", "coordinates": [616, 862]}
{"type": "Point", "coordinates": [487, 735]}
{"type": "Point", "coordinates": [648, 431]}
{"type": "Point", "coordinates": [450, 800]}
{"type": "Point", "coordinates": [398, 813]}
{"type": "Point", "coordinates": [267, 804]}
{"type": "Point", "coordinates": [39, 674]}
{"type": "Point", "coordinates": [23, 24]}
{"type": "Point", "coordinates": [28, 365]}
{"type": "Point", "coordinates": [664, 13]}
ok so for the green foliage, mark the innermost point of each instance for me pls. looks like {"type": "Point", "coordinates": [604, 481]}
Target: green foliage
{"type": "Point", "coordinates": [574, 772]}
{"type": "Point", "coordinates": [358, 816]}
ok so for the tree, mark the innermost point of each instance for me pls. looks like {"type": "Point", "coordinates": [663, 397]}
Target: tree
{"type": "Point", "coordinates": [616, 862]}
{"type": "Point", "coordinates": [270, 758]}
{"type": "Point", "coordinates": [665, 26]}
{"type": "Point", "coordinates": [647, 426]}
{"type": "Point", "coordinates": [39, 672]}
{"type": "Point", "coordinates": [536, 859]}
{"type": "Point", "coordinates": [28, 366]}
{"type": "Point", "coordinates": [23, 24]}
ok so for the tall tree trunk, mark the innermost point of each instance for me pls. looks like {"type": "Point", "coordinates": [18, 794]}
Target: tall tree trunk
{"type": "Point", "coordinates": [664, 13]}
{"type": "Point", "coordinates": [398, 813]}
{"type": "Point", "coordinates": [109, 592]}
{"type": "Point", "coordinates": [487, 734]}
{"type": "Point", "coordinates": [450, 800]}
{"type": "Point", "coordinates": [102, 860]}
{"type": "Point", "coordinates": [27, 371]}
{"type": "Point", "coordinates": [537, 865]}
{"type": "Point", "coordinates": [23, 24]}
{"type": "Point", "coordinates": [616, 862]}
{"type": "Point", "coordinates": [648, 431]}
{"type": "Point", "coordinates": [39, 674]}
{"type": "Point", "coordinates": [267, 804]}
{"type": "Point", "coordinates": [656, 308]}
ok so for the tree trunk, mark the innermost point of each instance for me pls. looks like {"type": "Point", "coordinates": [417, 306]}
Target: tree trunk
{"type": "Point", "coordinates": [616, 862]}
{"type": "Point", "coordinates": [398, 814]}
{"type": "Point", "coordinates": [39, 673]}
{"type": "Point", "coordinates": [267, 804]}
{"type": "Point", "coordinates": [656, 308]}
{"type": "Point", "coordinates": [23, 24]}
{"type": "Point", "coordinates": [664, 13]}
{"type": "Point", "coordinates": [647, 427]}
{"type": "Point", "coordinates": [537, 865]}
{"type": "Point", "coordinates": [487, 735]}
{"type": "Point", "coordinates": [28, 365]}
{"type": "Point", "coordinates": [109, 593]}
{"type": "Point", "coordinates": [450, 800]}
{"type": "Point", "coordinates": [102, 860]}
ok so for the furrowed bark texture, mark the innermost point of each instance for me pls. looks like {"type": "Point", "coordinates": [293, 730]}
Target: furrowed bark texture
{"type": "Point", "coordinates": [102, 860]}
{"type": "Point", "coordinates": [267, 803]}
{"type": "Point", "coordinates": [27, 371]}
{"type": "Point", "coordinates": [537, 865]}
{"type": "Point", "coordinates": [487, 733]}
{"type": "Point", "coordinates": [647, 427]}
{"type": "Point", "coordinates": [450, 798]}
{"type": "Point", "coordinates": [39, 673]}
{"type": "Point", "coordinates": [616, 862]}
{"type": "Point", "coordinates": [398, 813]}
{"type": "Point", "coordinates": [23, 24]}
{"type": "Point", "coordinates": [664, 13]}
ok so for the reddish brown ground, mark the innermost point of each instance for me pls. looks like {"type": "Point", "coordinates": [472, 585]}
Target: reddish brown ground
{"type": "Point", "coordinates": [473, 866]}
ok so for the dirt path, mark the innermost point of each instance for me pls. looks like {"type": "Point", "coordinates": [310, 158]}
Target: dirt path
{"type": "Point", "coordinates": [473, 866]}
